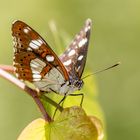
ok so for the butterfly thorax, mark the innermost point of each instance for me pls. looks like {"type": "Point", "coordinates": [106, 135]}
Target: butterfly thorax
{"type": "Point", "coordinates": [70, 86]}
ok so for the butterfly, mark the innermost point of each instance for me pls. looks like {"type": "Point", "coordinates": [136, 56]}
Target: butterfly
{"type": "Point", "coordinates": [36, 62]}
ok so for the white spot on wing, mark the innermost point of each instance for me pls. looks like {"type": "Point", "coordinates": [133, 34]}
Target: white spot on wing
{"type": "Point", "coordinates": [29, 49]}
{"type": "Point", "coordinates": [80, 57]}
{"type": "Point", "coordinates": [68, 62]}
{"type": "Point", "coordinates": [78, 68]}
{"type": "Point", "coordinates": [35, 71]}
{"type": "Point", "coordinates": [72, 52]}
{"type": "Point", "coordinates": [26, 30]}
{"type": "Point", "coordinates": [74, 43]}
{"type": "Point", "coordinates": [35, 44]}
{"type": "Point", "coordinates": [33, 65]}
{"type": "Point", "coordinates": [87, 28]}
{"type": "Point", "coordinates": [37, 65]}
{"type": "Point", "coordinates": [49, 58]}
{"type": "Point", "coordinates": [40, 41]}
{"type": "Point", "coordinates": [36, 76]}
{"type": "Point", "coordinates": [82, 42]}
{"type": "Point", "coordinates": [36, 79]}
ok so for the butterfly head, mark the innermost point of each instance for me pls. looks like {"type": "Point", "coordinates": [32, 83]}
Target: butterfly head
{"type": "Point", "coordinates": [79, 84]}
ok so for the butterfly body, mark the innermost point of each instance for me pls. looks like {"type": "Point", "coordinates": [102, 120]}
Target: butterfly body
{"type": "Point", "coordinates": [36, 62]}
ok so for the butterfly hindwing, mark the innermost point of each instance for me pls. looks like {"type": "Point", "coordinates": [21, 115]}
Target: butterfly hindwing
{"type": "Point", "coordinates": [34, 60]}
{"type": "Point", "coordinates": [74, 57]}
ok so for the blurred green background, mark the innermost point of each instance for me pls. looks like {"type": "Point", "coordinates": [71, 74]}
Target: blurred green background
{"type": "Point", "coordinates": [115, 37]}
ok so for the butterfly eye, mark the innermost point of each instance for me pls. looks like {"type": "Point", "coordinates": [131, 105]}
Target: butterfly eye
{"type": "Point", "coordinates": [79, 84]}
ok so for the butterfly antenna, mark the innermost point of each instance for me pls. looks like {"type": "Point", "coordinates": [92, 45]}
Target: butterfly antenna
{"type": "Point", "coordinates": [110, 67]}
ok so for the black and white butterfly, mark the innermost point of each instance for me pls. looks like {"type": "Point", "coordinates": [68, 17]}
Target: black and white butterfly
{"type": "Point", "coordinates": [36, 62]}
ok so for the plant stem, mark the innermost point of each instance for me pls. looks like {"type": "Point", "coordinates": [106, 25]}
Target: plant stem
{"type": "Point", "coordinates": [36, 98]}
{"type": "Point", "coordinates": [7, 68]}
{"type": "Point", "coordinates": [21, 85]}
{"type": "Point", "coordinates": [60, 108]}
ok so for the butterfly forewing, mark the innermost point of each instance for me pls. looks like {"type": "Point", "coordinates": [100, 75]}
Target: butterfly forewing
{"type": "Point", "coordinates": [34, 60]}
{"type": "Point", "coordinates": [74, 57]}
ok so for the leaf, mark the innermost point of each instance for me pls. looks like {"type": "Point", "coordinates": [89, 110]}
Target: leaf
{"type": "Point", "coordinates": [34, 131]}
{"type": "Point", "coordinates": [72, 124]}
{"type": "Point", "coordinates": [98, 126]}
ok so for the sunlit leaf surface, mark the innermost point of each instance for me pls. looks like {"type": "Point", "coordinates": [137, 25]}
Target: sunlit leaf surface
{"type": "Point", "coordinates": [72, 124]}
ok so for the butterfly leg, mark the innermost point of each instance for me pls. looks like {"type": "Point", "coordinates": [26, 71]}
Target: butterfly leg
{"type": "Point", "coordinates": [80, 94]}
{"type": "Point", "coordinates": [61, 101]}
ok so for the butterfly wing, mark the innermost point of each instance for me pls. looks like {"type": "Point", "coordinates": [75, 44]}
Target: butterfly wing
{"type": "Point", "coordinates": [35, 61]}
{"type": "Point", "coordinates": [74, 57]}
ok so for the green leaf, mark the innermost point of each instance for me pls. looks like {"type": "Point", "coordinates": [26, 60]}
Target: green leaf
{"type": "Point", "coordinates": [72, 124]}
